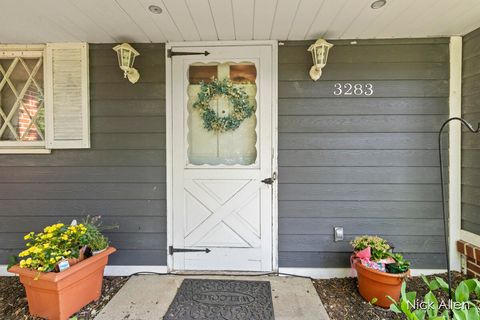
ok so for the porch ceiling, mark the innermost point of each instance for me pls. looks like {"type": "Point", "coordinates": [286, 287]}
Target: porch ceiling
{"type": "Point", "coordinates": [105, 21]}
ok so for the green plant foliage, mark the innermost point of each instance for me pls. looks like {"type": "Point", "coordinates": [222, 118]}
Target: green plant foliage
{"type": "Point", "coordinates": [94, 237]}
{"type": "Point", "coordinates": [380, 249]}
{"type": "Point", "coordinates": [464, 307]}
{"type": "Point", "coordinates": [237, 97]}
{"type": "Point", "coordinates": [400, 266]}
{"type": "Point", "coordinates": [13, 260]}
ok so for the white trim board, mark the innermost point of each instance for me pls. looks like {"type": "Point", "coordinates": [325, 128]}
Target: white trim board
{"type": "Point", "coordinates": [470, 237]}
{"type": "Point", "coordinates": [327, 273]}
{"type": "Point", "coordinates": [319, 273]}
{"type": "Point", "coordinates": [455, 152]}
{"type": "Point", "coordinates": [110, 271]}
{"type": "Point", "coordinates": [115, 271]}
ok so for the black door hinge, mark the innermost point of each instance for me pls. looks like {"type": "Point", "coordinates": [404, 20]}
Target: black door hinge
{"type": "Point", "coordinates": [171, 53]}
{"type": "Point", "coordinates": [172, 250]}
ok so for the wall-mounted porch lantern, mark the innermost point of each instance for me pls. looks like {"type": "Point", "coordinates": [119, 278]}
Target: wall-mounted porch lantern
{"type": "Point", "coordinates": [319, 52]}
{"type": "Point", "coordinates": [126, 57]}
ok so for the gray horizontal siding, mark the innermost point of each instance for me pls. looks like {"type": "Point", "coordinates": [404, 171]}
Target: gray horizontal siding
{"type": "Point", "coordinates": [365, 163]}
{"type": "Point", "coordinates": [122, 177]}
{"type": "Point", "coordinates": [368, 164]}
{"type": "Point", "coordinates": [364, 158]}
{"type": "Point", "coordinates": [470, 142]}
{"type": "Point", "coordinates": [347, 209]}
{"type": "Point", "coordinates": [294, 259]}
{"type": "Point", "coordinates": [90, 158]}
{"type": "Point", "coordinates": [364, 106]}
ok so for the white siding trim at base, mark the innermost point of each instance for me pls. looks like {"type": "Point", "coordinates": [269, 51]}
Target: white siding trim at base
{"type": "Point", "coordinates": [128, 270]}
{"type": "Point", "coordinates": [326, 273]}
{"type": "Point", "coordinates": [319, 273]}
{"type": "Point", "coordinates": [113, 271]}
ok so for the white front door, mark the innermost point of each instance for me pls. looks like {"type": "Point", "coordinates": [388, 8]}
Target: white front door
{"type": "Point", "coordinates": [220, 203]}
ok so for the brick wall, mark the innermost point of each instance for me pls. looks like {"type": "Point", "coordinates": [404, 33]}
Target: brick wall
{"type": "Point", "coordinates": [472, 255]}
{"type": "Point", "coordinates": [30, 107]}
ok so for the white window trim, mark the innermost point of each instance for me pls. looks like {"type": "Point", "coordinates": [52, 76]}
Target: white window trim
{"type": "Point", "coordinates": [28, 150]}
{"type": "Point", "coordinates": [27, 147]}
{"type": "Point", "coordinates": [8, 51]}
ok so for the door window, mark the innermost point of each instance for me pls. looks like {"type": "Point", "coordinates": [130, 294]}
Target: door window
{"type": "Point", "coordinates": [223, 145]}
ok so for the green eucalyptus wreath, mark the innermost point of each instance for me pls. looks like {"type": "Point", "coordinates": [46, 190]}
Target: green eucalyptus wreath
{"type": "Point", "coordinates": [237, 97]}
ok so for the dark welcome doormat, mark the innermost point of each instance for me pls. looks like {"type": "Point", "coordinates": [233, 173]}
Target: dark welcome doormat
{"type": "Point", "coordinates": [222, 300]}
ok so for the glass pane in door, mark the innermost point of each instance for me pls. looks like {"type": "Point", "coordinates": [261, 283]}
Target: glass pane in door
{"type": "Point", "coordinates": [222, 129]}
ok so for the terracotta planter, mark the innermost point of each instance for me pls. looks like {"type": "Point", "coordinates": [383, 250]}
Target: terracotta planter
{"type": "Point", "coordinates": [57, 296]}
{"type": "Point", "coordinates": [376, 284]}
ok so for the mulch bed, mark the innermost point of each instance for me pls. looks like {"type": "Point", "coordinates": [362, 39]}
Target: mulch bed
{"type": "Point", "coordinates": [339, 296]}
{"type": "Point", "coordinates": [343, 302]}
{"type": "Point", "coordinates": [13, 302]}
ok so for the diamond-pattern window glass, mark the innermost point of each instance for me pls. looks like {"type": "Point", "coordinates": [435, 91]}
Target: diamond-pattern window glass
{"type": "Point", "coordinates": [22, 109]}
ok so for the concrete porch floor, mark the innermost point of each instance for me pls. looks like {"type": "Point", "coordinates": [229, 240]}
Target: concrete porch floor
{"type": "Point", "coordinates": [148, 297]}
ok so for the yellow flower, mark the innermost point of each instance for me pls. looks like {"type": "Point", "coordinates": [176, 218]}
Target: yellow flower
{"type": "Point", "coordinates": [22, 263]}
{"type": "Point", "coordinates": [24, 253]}
{"type": "Point", "coordinates": [46, 245]}
{"type": "Point", "coordinates": [41, 269]}
{"type": "Point", "coordinates": [29, 261]}
{"type": "Point", "coordinates": [52, 260]}
{"type": "Point", "coordinates": [65, 237]}
{"type": "Point", "coordinates": [27, 237]}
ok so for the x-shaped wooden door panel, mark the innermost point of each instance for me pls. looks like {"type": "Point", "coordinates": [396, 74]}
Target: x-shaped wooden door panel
{"type": "Point", "coordinates": [225, 219]}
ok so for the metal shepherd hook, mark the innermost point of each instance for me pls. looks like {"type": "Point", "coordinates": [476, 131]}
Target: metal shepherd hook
{"type": "Point", "coordinates": [445, 220]}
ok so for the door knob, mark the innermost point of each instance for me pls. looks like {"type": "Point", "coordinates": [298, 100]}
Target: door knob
{"type": "Point", "coordinates": [270, 180]}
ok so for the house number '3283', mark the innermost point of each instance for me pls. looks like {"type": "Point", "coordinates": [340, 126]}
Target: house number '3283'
{"type": "Point", "coordinates": [353, 89]}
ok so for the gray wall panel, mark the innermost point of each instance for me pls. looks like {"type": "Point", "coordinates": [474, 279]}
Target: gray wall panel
{"type": "Point", "coordinates": [365, 163]}
{"type": "Point", "coordinates": [470, 142]}
{"type": "Point", "coordinates": [106, 207]}
{"type": "Point", "coordinates": [122, 177]}
{"type": "Point", "coordinates": [353, 106]}
{"type": "Point", "coordinates": [359, 209]}
{"type": "Point", "coordinates": [90, 158]}
{"type": "Point", "coordinates": [368, 164]}
{"type": "Point", "coordinates": [319, 259]}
